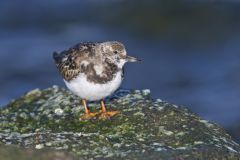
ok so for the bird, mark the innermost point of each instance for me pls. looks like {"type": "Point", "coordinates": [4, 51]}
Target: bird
{"type": "Point", "coordinates": [93, 71]}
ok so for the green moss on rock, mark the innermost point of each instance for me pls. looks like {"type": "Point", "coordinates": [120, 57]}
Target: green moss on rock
{"type": "Point", "coordinates": [145, 128]}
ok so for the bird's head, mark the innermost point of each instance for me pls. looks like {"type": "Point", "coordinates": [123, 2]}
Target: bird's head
{"type": "Point", "coordinates": [116, 53]}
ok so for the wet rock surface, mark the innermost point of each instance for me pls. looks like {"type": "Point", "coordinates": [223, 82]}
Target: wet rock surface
{"type": "Point", "coordinates": [145, 128]}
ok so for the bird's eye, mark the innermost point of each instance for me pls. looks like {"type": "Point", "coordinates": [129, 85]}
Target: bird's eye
{"type": "Point", "coordinates": [115, 52]}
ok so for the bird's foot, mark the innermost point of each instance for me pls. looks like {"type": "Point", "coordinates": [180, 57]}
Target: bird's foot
{"type": "Point", "coordinates": [88, 116]}
{"type": "Point", "coordinates": [107, 114]}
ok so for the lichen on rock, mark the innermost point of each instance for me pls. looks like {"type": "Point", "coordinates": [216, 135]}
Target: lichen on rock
{"type": "Point", "coordinates": [145, 128]}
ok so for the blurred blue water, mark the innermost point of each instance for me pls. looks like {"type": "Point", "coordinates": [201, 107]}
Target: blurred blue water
{"type": "Point", "coordinates": [201, 72]}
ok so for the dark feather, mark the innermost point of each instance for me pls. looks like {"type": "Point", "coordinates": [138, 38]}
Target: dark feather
{"type": "Point", "coordinates": [69, 64]}
{"type": "Point", "coordinates": [57, 58]}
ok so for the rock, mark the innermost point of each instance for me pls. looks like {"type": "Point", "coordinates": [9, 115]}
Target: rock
{"type": "Point", "coordinates": [145, 128]}
{"type": "Point", "coordinates": [16, 153]}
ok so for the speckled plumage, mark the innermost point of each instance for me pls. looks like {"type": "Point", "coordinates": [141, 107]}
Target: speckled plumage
{"type": "Point", "coordinates": [82, 58]}
{"type": "Point", "coordinates": [91, 70]}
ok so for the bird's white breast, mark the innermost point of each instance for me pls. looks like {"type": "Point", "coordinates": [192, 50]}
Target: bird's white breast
{"type": "Point", "coordinates": [92, 91]}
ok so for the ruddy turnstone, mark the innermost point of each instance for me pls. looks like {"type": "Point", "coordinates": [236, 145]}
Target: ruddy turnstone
{"type": "Point", "coordinates": [93, 71]}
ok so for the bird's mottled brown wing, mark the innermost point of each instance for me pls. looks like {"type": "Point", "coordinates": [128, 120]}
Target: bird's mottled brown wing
{"type": "Point", "coordinates": [68, 68]}
{"type": "Point", "coordinates": [69, 62]}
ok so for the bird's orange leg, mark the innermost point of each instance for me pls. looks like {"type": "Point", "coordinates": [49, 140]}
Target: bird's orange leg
{"type": "Point", "coordinates": [88, 114]}
{"type": "Point", "coordinates": [106, 114]}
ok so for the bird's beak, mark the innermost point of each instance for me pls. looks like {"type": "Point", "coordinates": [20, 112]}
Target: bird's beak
{"type": "Point", "coordinates": [132, 59]}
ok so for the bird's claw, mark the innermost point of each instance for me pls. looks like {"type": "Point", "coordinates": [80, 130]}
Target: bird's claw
{"type": "Point", "coordinates": [88, 116]}
{"type": "Point", "coordinates": [107, 114]}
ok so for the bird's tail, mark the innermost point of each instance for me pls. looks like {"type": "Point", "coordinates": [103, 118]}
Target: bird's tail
{"type": "Point", "coordinates": [57, 57]}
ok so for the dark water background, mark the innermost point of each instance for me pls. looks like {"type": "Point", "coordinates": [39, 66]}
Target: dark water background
{"type": "Point", "coordinates": [190, 49]}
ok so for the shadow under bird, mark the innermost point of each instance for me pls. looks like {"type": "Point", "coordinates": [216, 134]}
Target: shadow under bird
{"type": "Point", "coordinates": [93, 71]}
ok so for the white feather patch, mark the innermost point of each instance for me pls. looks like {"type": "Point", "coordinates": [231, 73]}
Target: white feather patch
{"type": "Point", "coordinates": [98, 69]}
{"type": "Point", "coordinates": [64, 59]}
{"type": "Point", "coordinates": [84, 63]}
{"type": "Point", "coordinates": [91, 91]}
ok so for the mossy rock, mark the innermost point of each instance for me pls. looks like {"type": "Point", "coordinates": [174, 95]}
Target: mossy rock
{"type": "Point", "coordinates": [17, 153]}
{"type": "Point", "coordinates": [144, 128]}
